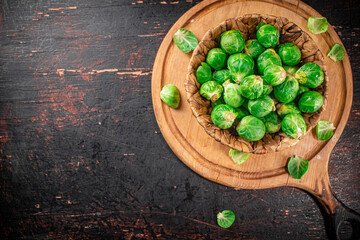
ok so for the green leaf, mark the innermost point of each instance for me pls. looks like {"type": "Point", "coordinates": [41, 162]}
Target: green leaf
{"type": "Point", "coordinates": [238, 157]}
{"type": "Point", "coordinates": [225, 218]}
{"type": "Point", "coordinates": [324, 130]}
{"type": "Point", "coordinates": [317, 25]}
{"type": "Point", "coordinates": [185, 40]}
{"type": "Point", "coordinates": [297, 166]}
{"type": "Point", "coordinates": [337, 52]}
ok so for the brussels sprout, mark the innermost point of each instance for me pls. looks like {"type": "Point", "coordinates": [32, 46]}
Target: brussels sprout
{"type": "Point", "coordinates": [267, 89]}
{"type": "Point", "coordinates": [261, 107]}
{"type": "Point", "coordinates": [268, 57]}
{"type": "Point", "coordinates": [310, 102]}
{"type": "Point", "coordinates": [251, 128]}
{"type": "Point", "coordinates": [324, 130]}
{"type": "Point", "coordinates": [301, 90]}
{"type": "Point", "coordinates": [242, 111]}
{"type": "Point", "coordinates": [216, 58]}
{"type": "Point", "coordinates": [253, 48]}
{"type": "Point", "coordinates": [268, 35]}
{"type": "Point", "coordinates": [290, 54]}
{"type": "Point", "coordinates": [225, 218]}
{"type": "Point", "coordinates": [272, 122]}
{"type": "Point", "coordinates": [218, 102]}
{"type": "Point", "coordinates": [293, 125]}
{"type": "Point", "coordinates": [287, 91]}
{"type": "Point", "coordinates": [274, 75]}
{"type": "Point", "coordinates": [232, 41]}
{"type": "Point", "coordinates": [297, 166]}
{"type": "Point", "coordinates": [337, 52]}
{"type": "Point", "coordinates": [240, 66]}
{"type": "Point", "coordinates": [290, 69]}
{"type": "Point", "coordinates": [251, 87]}
{"type": "Point", "coordinates": [284, 109]}
{"type": "Point", "coordinates": [317, 25]}
{"type": "Point", "coordinates": [222, 76]}
{"type": "Point", "coordinates": [310, 75]}
{"type": "Point", "coordinates": [232, 95]}
{"type": "Point", "coordinates": [223, 116]}
{"type": "Point", "coordinates": [211, 90]}
{"type": "Point", "coordinates": [203, 73]}
{"type": "Point", "coordinates": [238, 157]}
{"type": "Point", "coordinates": [170, 95]}
{"type": "Point", "coordinates": [185, 40]}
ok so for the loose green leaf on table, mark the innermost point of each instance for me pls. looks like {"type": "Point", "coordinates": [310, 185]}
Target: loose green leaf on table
{"type": "Point", "coordinates": [225, 218]}
{"type": "Point", "coordinates": [297, 166]}
{"type": "Point", "coordinates": [337, 52]}
{"type": "Point", "coordinates": [324, 130]}
{"type": "Point", "coordinates": [238, 157]}
{"type": "Point", "coordinates": [185, 40]}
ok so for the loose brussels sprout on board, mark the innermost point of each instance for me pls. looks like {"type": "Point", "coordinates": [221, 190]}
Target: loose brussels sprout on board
{"type": "Point", "coordinates": [221, 76]}
{"type": "Point", "coordinates": [293, 125]}
{"type": "Point", "coordinates": [274, 75]}
{"type": "Point", "coordinates": [324, 130]}
{"type": "Point", "coordinates": [253, 48]}
{"type": "Point", "coordinates": [337, 52]}
{"type": "Point", "coordinates": [223, 116]}
{"type": "Point", "coordinates": [170, 95]}
{"type": "Point", "coordinates": [268, 35]}
{"type": "Point", "coordinates": [211, 90]}
{"type": "Point", "coordinates": [289, 53]}
{"type": "Point", "coordinates": [251, 128]}
{"type": "Point", "coordinates": [216, 58]}
{"type": "Point", "coordinates": [238, 157]}
{"type": "Point", "coordinates": [284, 109]}
{"type": "Point", "coordinates": [185, 40]}
{"type": "Point", "coordinates": [240, 66]}
{"type": "Point", "coordinates": [286, 91]}
{"type": "Point", "coordinates": [272, 122]}
{"type": "Point", "coordinates": [297, 166]}
{"type": "Point", "coordinates": [310, 75]}
{"type": "Point", "coordinates": [317, 25]}
{"type": "Point", "coordinates": [261, 107]}
{"type": "Point", "coordinates": [232, 41]}
{"type": "Point", "coordinates": [232, 95]}
{"type": "Point", "coordinates": [203, 73]}
{"type": "Point", "coordinates": [310, 102]}
{"type": "Point", "coordinates": [267, 58]}
{"type": "Point", "coordinates": [290, 69]}
{"type": "Point", "coordinates": [251, 87]}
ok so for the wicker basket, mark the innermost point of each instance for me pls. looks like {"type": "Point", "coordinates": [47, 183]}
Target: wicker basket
{"type": "Point", "coordinates": [201, 108]}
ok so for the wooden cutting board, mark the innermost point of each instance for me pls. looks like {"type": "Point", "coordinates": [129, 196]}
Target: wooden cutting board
{"type": "Point", "coordinates": [209, 158]}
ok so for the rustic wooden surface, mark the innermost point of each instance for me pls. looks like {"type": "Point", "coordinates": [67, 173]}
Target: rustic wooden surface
{"type": "Point", "coordinates": [82, 155]}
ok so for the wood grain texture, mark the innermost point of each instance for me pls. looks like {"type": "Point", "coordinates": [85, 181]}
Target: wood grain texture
{"type": "Point", "coordinates": [82, 155]}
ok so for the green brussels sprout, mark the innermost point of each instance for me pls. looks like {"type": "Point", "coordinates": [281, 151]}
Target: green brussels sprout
{"type": "Point", "coordinates": [337, 52]}
{"type": "Point", "coordinates": [170, 95]}
{"type": "Point", "coordinates": [216, 58]}
{"type": "Point", "coordinates": [251, 128]}
{"type": "Point", "coordinates": [310, 101]}
{"type": "Point", "coordinates": [268, 35]}
{"type": "Point", "coordinates": [274, 75]}
{"type": "Point", "coordinates": [287, 91]}
{"type": "Point", "coordinates": [253, 48]}
{"type": "Point", "coordinates": [284, 109]}
{"type": "Point", "coordinates": [268, 57]}
{"type": "Point", "coordinates": [222, 76]}
{"type": "Point", "coordinates": [232, 41]}
{"type": "Point", "coordinates": [310, 75]}
{"type": "Point", "coordinates": [203, 73]}
{"type": "Point", "coordinates": [267, 89]}
{"type": "Point", "coordinates": [324, 130]}
{"type": "Point", "coordinates": [272, 122]}
{"type": "Point", "coordinates": [301, 90]}
{"type": "Point", "coordinates": [185, 40]}
{"type": "Point", "coordinates": [223, 116]}
{"type": "Point", "coordinates": [211, 90]}
{"type": "Point", "coordinates": [251, 87]}
{"type": "Point", "coordinates": [290, 69]}
{"type": "Point", "coordinates": [293, 125]}
{"type": "Point", "coordinates": [218, 102]}
{"type": "Point", "coordinates": [262, 106]}
{"type": "Point", "coordinates": [242, 112]}
{"type": "Point", "coordinates": [232, 94]}
{"type": "Point", "coordinates": [240, 66]}
{"type": "Point", "coordinates": [290, 54]}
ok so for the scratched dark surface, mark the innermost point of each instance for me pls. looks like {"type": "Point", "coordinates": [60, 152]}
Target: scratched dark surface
{"type": "Point", "coordinates": [81, 154]}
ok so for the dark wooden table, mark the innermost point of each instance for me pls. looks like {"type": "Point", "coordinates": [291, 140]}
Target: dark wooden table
{"type": "Point", "coordinates": [81, 154]}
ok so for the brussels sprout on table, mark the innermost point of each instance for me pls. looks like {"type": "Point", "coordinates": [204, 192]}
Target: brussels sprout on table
{"type": "Point", "coordinates": [223, 116]}
{"type": "Point", "coordinates": [267, 89]}
{"type": "Point", "coordinates": [222, 76]}
{"type": "Point", "coordinates": [185, 40]}
{"type": "Point", "coordinates": [272, 122]}
{"type": "Point", "coordinates": [216, 58]}
{"type": "Point", "coordinates": [287, 91]}
{"type": "Point", "coordinates": [267, 58]}
{"type": "Point", "coordinates": [284, 109]}
{"type": "Point", "coordinates": [232, 41]}
{"type": "Point", "coordinates": [240, 66]}
{"type": "Point", "coordinates": [253, 48]}
{"type": "Point", "coordinates": [238, 157]}
{"type": "Point", "coordinates": [297, 166]}
{"type": "Point", "coordinates": [211, 90]}
{"type": "Point", "coordinates": [337, 52]}
{"type": "Point", "coordinates": [232, 95]}
{"type": "Point", "coordinates": [251, 128]}
{"type": "Point", "coordinates": [268, 35]}
{"type": "Point", "coordinates": [274, 75]}
{"type": "Point", "coordinates": [310, 102]}
{"type": "Point", "coordinates": [225, 218]}
{"type": "Point", "coordinates": [310, 75]}
{"type": "Point", "coordinates": [170, 95]}
{"type": "Point", "coordinates": [289, 53]}
{"type": "Point", "coordinates": [290, 69]}
{"type": "Point", "coordinates": [317, 25]}
{"type": "Point", "coordinates": [203, 73]}
{"type": "Point", "coordinates": [262, 106]}
{"type": "Point", "coordinates": [324, 130]}
{"type": "Point", "coordinates": [293, 125]}
{"type": "Point", "coordinates": [251, 87]}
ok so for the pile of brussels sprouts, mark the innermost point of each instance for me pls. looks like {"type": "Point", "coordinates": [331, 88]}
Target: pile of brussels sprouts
{"type": "Point", "coordinates": [257, 86]}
